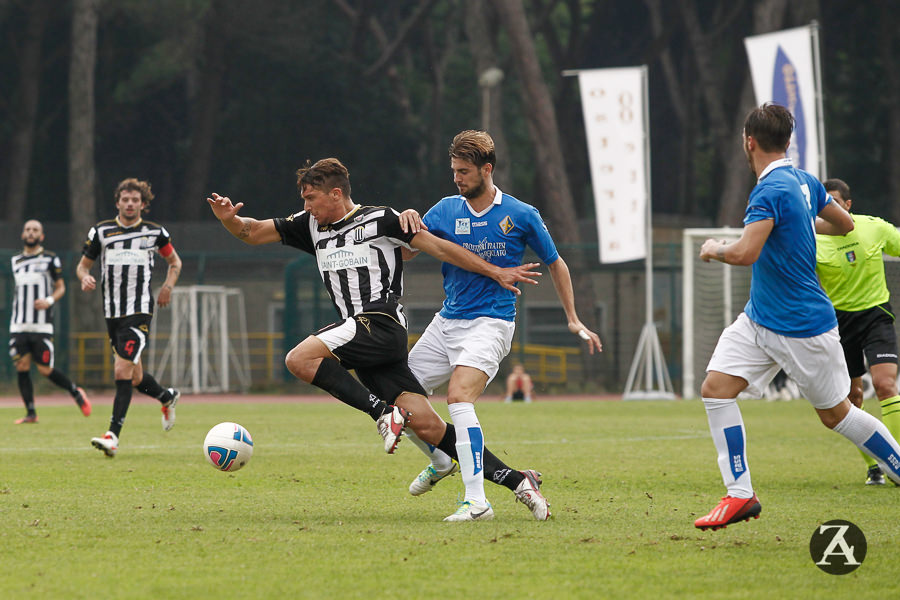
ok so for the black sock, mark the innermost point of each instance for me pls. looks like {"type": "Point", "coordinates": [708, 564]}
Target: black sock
{"type": "Point", "coordinates": [120, 405]}
{"type": "Point", "coordinates": [151, 387]}
{"type": "Point", "coordinates": [337, 381]}
{"type": "Point", "coordinates": [27, 390]}
{"type": "Point", "coordinates": [60, 379]}
{"type": "Point", "coordinates": [494, 469]}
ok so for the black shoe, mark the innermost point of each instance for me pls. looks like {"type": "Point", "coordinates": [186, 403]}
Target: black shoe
{"type": "Point", "coordinates": [874, 476]}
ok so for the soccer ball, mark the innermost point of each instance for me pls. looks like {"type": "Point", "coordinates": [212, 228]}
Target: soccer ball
{"type": "Point", "coordinates": [228, 447]}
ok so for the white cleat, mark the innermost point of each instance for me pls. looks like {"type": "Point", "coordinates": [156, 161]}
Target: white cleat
{"type": "Point", "coordinates": [168, 410]}
{"type": "Point", "coordinates": [529, 493]}
{"type": "Point", "coordinates": [108, 444]}
{"type": "Point", "coordinates": [391, 425]}
{"type": "Point", "coordinates": [429, 477]}
{"type": "Point", "coordinates": [469, 511]}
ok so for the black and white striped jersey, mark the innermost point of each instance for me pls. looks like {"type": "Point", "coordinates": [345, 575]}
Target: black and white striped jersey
{"type": "Point", "coordinates": [359, 257]}
{"type": "Point", "coordinates": [126, 264]}
{"type": "Point", "coordinates": [34, 276]}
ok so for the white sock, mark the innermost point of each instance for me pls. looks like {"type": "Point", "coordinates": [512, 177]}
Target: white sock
{"type": "Point", "coordinates": [872, 437]}
{"type": "Point", "coordinates": [440, 460]}
{"type": "Point", "coordinates": [727, 428]}
{"type": "Point", "coordinates": [469, 450]}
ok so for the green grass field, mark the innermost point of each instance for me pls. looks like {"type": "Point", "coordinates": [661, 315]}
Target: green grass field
{"type": "Point", "coordinates": [322, 512]}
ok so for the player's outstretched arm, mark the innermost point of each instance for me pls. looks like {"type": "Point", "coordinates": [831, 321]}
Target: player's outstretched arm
{"type": "Point", "coordinates": [562, 281]}
{"type": "Point", "coordinates": [743, 251]}
{"type": "Point", "coordinates": [457, 255]}
{"type": "Point", "coordinates": [249, 231]}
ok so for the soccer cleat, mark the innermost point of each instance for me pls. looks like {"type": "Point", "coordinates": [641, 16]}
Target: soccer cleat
{"type": "Point", "coordinates": [391, 425]}
{"type": "Point", "coordinates": [874, 476]}
{"type": "Point", "coordinates": [529, 493]}
{"type": "Point", "coordinates": [26, 419]}
{"type": "Point", "coordinates": [168, 410]}
{"type": "Point", "coordinates": [469, 511]}
{"type": "Point", "coordinates": [429, 477]}
{"type": "Point", "coordinates": [730, 510]}
{"type": "Point", "coordinates": [84, 403]}
{"type": "Point", "coordinates": [108, 444]}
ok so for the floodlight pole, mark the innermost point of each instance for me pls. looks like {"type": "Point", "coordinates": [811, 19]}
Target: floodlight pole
{"type": "Point", "coordinates": [648, 357]}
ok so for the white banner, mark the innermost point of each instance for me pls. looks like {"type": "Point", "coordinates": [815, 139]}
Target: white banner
{"type": "Point", "coordinates": [613, 105]}
{"type": "Point", "coordinates": [783, 72]}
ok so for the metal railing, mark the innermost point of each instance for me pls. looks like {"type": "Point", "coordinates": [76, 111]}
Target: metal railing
{"type": "Point", "coordinates": [92, 360]}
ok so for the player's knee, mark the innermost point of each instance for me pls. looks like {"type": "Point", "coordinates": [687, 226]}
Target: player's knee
{"type": "Point", "coordinates": [885, 387]}
{"type": "Point", "coordinates": [300, 366]}
{"type": "Point", "coordinates": [856, 396]}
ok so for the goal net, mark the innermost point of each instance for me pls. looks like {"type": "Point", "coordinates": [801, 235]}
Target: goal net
{"type": "Point", "coordinates": [714, 294]}
{"type": "Point", "coordinates": [200, 343]}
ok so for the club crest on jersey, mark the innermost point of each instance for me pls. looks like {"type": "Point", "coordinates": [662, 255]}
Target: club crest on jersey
{"type": "Point", "coordinates": [506, 225]}
{"type": "Point", "coordinates": [851, 256]}
{"type": "Point", "coordinates": [359, 234]}
{"type": "Point", "coordinates": [463, 226]}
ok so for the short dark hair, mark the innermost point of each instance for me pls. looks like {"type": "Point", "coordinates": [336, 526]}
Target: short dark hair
{"type": "Point", "coordinates": [771, 126]}
{"type": "Point", "coordinates": [477, 147]}
{"type": "Point", "coordinates": [838, 185]}
{"type": "Point", "coordinates": [133, 184]}
{"type": "Point", "coordinates": [325, 174]}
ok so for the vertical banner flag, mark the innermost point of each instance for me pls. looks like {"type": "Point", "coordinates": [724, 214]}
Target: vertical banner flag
{"type": "Point", "coordinates": [613, 105]}
{"type": "Point", "coordinates": [783, 70]}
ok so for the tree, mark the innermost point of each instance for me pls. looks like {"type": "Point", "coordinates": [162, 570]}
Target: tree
{"type": "Point", "coordinates": [544, 132]}
{"type": "Point", "coordinates": [25, 111]}
{"type": "Point", "coordinates": [82, 177]}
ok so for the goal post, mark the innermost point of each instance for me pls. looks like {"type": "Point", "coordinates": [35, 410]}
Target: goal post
{"type": "Point", "coordinates": [713, 295]}
{"type": "Point", "coordinates": [203, 341]}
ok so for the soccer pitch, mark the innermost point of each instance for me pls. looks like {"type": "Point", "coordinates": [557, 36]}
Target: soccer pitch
{"type": "Point", "coordinates": [322, 512]}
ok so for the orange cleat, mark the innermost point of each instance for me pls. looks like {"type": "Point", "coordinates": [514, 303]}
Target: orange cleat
{"type": "Point", "coordinates": [84, 403]}
{"type": "Point", "coordinates": [26, 419]}
{"type": "Point", "coordinates": [730, 510]}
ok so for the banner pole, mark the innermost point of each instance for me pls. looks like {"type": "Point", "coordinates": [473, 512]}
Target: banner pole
{"type": "Point", "coordinates": [820, 110]}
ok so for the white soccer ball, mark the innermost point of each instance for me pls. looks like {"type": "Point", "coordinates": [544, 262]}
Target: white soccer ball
{"type": "Point", "coordinates": [228, 447]}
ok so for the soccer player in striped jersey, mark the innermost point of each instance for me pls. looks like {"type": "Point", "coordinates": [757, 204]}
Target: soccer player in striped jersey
{"type": "Point", "coordinates": [39, 284]}
{"type": "Point", "coordinates": [788, 322]}
{"type": "Point", "coordinates": [851, 270]}
{"type": "Point", "coordinates": [466, 341]}
{"type": "Point", "coordinates": [358, 252]}
{"type": "Point", "coordinates": [126, 246]}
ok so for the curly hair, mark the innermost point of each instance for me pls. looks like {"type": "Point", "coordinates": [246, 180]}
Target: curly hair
{"type": "Point", "coordinates": [135, 185]}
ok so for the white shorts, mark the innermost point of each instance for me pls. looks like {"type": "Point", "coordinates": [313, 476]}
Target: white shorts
{"type": "Point", "coordinates": [448, 343]}
{"type": "Point", "coordinates": [750, 351]}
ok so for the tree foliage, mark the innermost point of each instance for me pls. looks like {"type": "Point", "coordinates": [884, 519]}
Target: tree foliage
{"type": "Point", "coordinates": [214, 95]}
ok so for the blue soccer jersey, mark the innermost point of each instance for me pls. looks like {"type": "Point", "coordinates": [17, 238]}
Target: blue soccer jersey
{"type": "Point", "coordinates": [498, 235]}
{"type": "Point", "coordinates": [785, 295]}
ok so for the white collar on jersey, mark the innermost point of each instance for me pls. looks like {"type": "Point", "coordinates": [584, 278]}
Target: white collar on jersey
{"type": "Point", "coordinates": [781, 162]}
{"type": "Point", "coordinates": [498, 199]}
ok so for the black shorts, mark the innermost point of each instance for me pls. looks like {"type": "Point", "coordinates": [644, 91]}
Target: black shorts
{"type": "Point", "coordinates": [868, 332]}
{"type": "Point", "coordinates": [379, 353]}
{"type": "Point", "coordinates": [38, 345]}
{"type": "Point", "coordinates": [128, 335]}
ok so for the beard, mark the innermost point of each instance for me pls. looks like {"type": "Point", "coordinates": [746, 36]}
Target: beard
{"type": "Point", "coordinates": [475, 191]}
{"type": "Point", "coordinates": [31, 243]}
